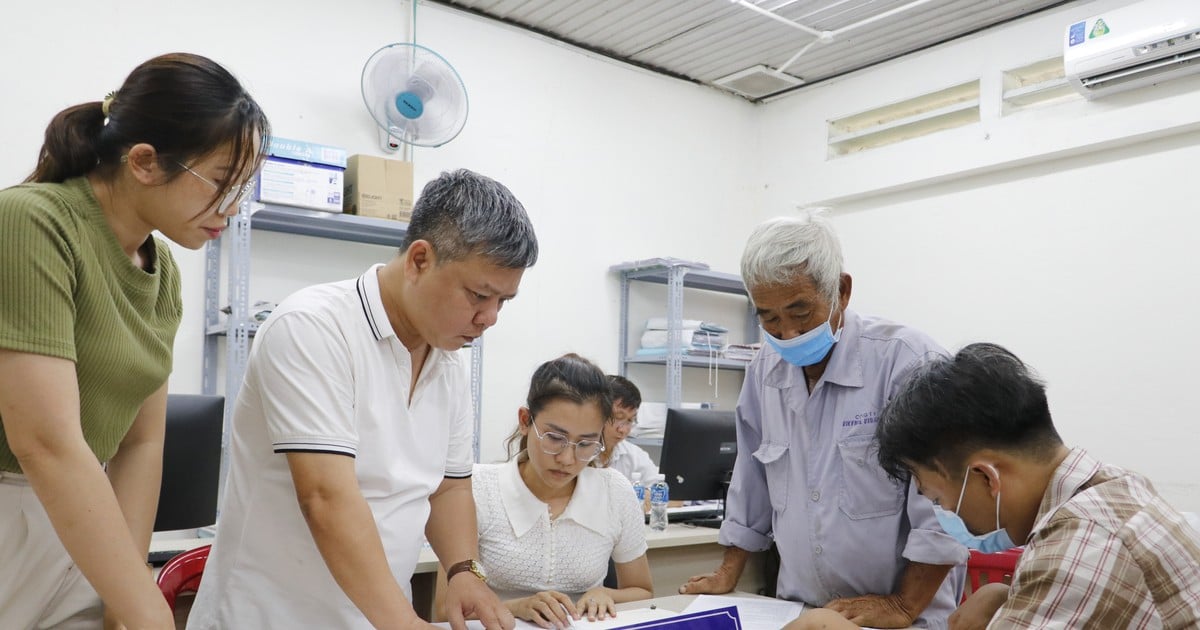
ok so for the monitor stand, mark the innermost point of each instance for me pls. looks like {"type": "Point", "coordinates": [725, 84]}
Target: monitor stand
{"type": "Point", "coordinates": [713, 522]}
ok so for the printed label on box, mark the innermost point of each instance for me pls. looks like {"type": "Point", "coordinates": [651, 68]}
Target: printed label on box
{"type": "Point", "coordinates": [306, 152]}
{"type": "Point", "coordinates": [302, 185]}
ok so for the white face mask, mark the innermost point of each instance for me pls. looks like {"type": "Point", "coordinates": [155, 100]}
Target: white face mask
{"type": "Point", "coordinates": [952, 523]}
{"type": "Point", "coordinates": [809, 348]}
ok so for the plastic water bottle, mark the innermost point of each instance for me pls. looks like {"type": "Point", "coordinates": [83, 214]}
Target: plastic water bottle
{"type": "Point", "coordinates": [658, 504]}
{"type": "Point", "coordinates": [639, 489]}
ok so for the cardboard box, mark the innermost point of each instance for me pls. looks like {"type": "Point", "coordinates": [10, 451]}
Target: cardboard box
{"type": "Point", "coordinates": [379, 187]}
{"type": "Point", "coordinates": [303, 174]}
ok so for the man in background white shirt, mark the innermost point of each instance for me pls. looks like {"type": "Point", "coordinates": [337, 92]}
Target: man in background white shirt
{"type": "Point", "coordinates": [620, 455]}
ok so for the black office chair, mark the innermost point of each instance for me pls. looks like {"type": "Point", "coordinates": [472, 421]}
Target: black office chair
{"type": "Point", "coordinates": [191, 462]}
{"type": "Point", "coordinates": [610, 580]}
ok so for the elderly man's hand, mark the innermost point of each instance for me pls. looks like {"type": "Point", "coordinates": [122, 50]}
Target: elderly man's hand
{"type": "Point", "coordinates": [877, 611]}
{"type": "Point", "coordinates": [716, 583]}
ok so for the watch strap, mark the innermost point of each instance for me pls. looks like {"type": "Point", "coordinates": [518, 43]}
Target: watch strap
{"type": "Point", "coordinates": [466, 565]}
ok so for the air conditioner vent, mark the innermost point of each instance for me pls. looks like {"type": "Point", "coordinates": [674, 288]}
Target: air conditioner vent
{"type": "Point", "coordinates": [758, 81]}
{"type": "Point", "coordinates": [1145, 43]}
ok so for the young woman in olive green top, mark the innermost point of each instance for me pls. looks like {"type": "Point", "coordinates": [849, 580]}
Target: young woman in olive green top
{"type": "Point", "coordinates": [89, 309]}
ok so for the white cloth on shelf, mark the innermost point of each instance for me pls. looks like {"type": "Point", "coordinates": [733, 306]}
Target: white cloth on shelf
{"type": "Point", "coordinates": [660, 323]}
{"type": "Point", "coordinates": [652, 420]}
{"type": "Point", "coordinates": [654, 338]}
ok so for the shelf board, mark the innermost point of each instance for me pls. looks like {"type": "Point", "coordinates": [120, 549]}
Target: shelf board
{"type": "Point", "coordinates": [342, 227]}
{"type": "Point", "coordinates": [698, 276]}
{"type": "Point", "coordinates": [692, 361]}
{"type": "Point", "coordinates": [222, 330]}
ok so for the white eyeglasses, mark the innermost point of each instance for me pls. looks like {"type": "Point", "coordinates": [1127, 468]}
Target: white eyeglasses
{"type": "Point", "coordinates": [231, 198]}
{"type": "Point", "coordinates": [555, 443]}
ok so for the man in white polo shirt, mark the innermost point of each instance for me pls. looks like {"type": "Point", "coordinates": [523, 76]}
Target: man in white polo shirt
{"type": "Point", "coordinates": [352, 432]}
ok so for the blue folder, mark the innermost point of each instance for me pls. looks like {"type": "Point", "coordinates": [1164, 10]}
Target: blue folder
{"type": "Point", "coordinates": [716, 619]}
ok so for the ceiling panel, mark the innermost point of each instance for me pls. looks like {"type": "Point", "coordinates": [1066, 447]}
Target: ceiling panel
{"type": "Point", "coordinates": [705, 40]}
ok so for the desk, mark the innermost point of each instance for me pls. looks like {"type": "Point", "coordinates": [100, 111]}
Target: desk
{"type": "Point", "coordinates": [675, 555]}
{"type": "Point", "coordinates": [683, 551]}
{"type": "Point", "coordinates": [178, 544]}
{"type": "Point", "coordinates": [677, 603]}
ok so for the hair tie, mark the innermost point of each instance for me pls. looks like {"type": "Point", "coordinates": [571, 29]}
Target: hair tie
{"type": "Point", "coordinates": [106, 104]}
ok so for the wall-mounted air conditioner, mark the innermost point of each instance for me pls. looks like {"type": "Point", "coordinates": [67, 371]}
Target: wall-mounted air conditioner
{"type": "Point", "coordinates": [1140, 44]}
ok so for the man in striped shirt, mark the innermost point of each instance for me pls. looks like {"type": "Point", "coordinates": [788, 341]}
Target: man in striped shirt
{"type": "Point", "coordinates": [1102, 548]}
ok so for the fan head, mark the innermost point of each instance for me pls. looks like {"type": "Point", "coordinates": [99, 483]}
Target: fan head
{"type": "Point", "coordinates": [414, 95]}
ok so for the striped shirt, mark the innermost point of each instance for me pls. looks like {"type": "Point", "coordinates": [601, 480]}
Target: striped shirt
{"type": "Point", "coordinates": [1106, 552]}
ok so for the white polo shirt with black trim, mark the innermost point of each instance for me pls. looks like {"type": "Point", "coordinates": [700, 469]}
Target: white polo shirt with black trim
{"type": "Point", "coordinates": [328, 374]}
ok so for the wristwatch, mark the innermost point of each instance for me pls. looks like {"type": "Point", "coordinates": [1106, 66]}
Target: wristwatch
{"type": "Point", "coordinates": [466, 565]}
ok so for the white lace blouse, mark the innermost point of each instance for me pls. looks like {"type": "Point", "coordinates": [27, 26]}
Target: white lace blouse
{"type": "Point", "coordinates": [524, 552]}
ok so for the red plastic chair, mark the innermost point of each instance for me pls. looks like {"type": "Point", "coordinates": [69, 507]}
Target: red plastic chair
{"type": "Point", "coordinates": [989, 568]}
{"type": "Point", "coordinates": [182, 574]}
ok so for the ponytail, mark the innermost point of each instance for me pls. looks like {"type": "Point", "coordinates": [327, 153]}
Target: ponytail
{"type": "Point", "coordinates": [70, 146]}
{"type": "Point", "coordinates": [183, 105]}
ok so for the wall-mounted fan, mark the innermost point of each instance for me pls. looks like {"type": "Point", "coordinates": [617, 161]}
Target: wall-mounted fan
{"type": "Point", "coordinates": [414, 95]}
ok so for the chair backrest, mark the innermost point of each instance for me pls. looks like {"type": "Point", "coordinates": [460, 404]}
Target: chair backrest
{"type": "Point", "coordinates": [990, 568]}
{"type": "Point", "coordinates": [182, 573]}
{"type": "Point", "coordinates": [191, 462]}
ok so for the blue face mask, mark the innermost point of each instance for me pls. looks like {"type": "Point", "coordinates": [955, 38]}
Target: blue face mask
{"type": "Point", "coordinates": [953, 524]}
{"type": "Point", "coordinates": [809, 348]}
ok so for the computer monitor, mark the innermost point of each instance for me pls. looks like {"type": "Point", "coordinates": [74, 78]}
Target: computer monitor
{"type": "Point", "coordinates": [699, 448]}
{"type": "Point", "coordinates": [191, 462]}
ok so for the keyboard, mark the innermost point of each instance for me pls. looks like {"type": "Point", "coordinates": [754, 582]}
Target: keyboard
{"type": "Point", "coordinates": [698, 515]}
{"type": "Point", "coordinates": [159, 557]}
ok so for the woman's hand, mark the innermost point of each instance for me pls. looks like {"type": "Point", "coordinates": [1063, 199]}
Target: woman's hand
{"type": "Point", "coordinates": [548, 609]}
{"type": "Point", "coordinates": [596, 604]}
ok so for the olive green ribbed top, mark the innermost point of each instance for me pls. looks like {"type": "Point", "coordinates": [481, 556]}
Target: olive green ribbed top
{"type": "Point", "coordinates": [68, 290]}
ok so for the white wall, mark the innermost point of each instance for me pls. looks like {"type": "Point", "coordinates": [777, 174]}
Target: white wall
{"type": "Point", "coordinates": [1061, 232]}
{"type": "Point", "coordinates": [613, 164]}
{"type": "Point", "coordinates": [1065, 233]}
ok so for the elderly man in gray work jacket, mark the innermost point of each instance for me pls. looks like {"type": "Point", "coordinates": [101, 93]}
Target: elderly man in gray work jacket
{"type": "Point", "coordinates": [806, 475]}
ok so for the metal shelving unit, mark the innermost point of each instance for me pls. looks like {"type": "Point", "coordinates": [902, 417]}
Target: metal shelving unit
{"type": "Point", "coordinates": [678, 275]}
{"type": "Point", "coordinates": [238, 328]}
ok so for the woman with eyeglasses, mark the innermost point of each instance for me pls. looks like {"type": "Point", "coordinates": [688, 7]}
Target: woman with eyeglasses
{"type": "Point", "coordinates": [91, 304]}
{"type": "Point", "coordinates": [548, 521]}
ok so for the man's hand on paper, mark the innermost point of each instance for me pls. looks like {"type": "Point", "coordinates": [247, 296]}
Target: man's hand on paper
{"type": "Point", "coordinates": [716, 583]}
{"type": "Point", "coordinates": [468, 596]}
{"type": "Point", "coordinates": [723, 580]}
{"type": "Point", "coordinates": [876, 611]}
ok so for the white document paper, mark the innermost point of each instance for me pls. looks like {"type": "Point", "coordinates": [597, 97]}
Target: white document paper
{"type": "Point", "coordinates": [756, 613]}
{"type": "Point", "coordinates": [623, 618]}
